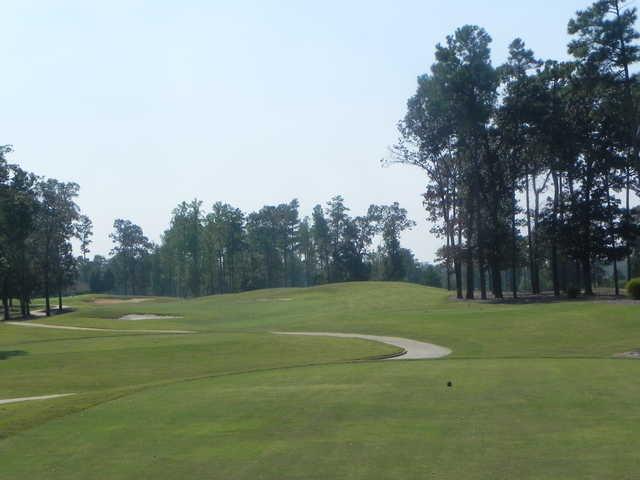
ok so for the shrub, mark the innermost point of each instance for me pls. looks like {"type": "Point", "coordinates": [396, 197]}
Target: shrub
{"type": "Point", "coordinates": [633, 288]}
{"type": "Point", "coordinates": [573, 292]}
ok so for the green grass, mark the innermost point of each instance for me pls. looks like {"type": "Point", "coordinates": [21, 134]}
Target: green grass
{"type": "Point", "coordinates": [536, 393]}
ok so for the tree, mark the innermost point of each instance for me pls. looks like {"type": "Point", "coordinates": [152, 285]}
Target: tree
{"type": "Point", "coordinates": [308, 252]}
{"type": "Point", "coordinates": [605, 46]}
{"type": "Point", "coordinates": [428, 140]}
{"type": "Point", "coordinates": [390, 221]}
{"type": "Point", "coordinates": [56, 219]}
{"type": "Point", "coordinates": [224, 242]}
{"type": "Point", "coordinates": [84, 232]}
{"type": "Point", "coordinates": [289, 221]}
{"type": "Point", "coordinates": [226, 251]}
{"type": "Point", "coordinates": [184, 241]}
{"type": "Point", "coordinates": [20, 211]}
{"type": "Point", "coordinates": [337, 223]}
{"type": "Point", "coordinates": [448, 132]}
{"type": "Point", "coordinates": [516, 121]}
{"type": "Point", "coordinates": [322, 242]}
{"type": "Point", "coordinates": [131, 246]}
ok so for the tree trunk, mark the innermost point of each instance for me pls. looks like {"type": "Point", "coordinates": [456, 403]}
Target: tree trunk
{"type": "Point", "coordinates": [458, 266]}
{"type": "Point", "coordinates": [469, 254]}
{"type": "Point", "coordinates": [458, 271]}
{"type": "Point", "coordinates": [628, 217]}
{"type": "Point", "coordinates": [586, 274]}
{"type": "Point", "coordinates": [5, 308]}
{"type": "Point", "coordinates": [6, 300]}
{"type": "Point", "coordinates": [133, 280]}
{"type": "Point", "coordinates": [483, 279]}
{"type": "Point", "coordinates": [514, 235]}
{"type": "Point", "coordinates": [514, 281]}
{"type": "Point", "coordinates": [232, 272]}
{"type": "Point", "coordinates": [612, 232]}
{"type": "Point", "coordinates": [536, 218]}
{"type": "Point", "coordinates": [47, 294]}
{"type": "Point", "coordinates": [554, 239]}
{"type": "Point", "coordinates": [529, 236]}
{"type": "Point", "coordinates": [447, 259]}
{"type": "Point", "coordinates": [496, 279]}
{"type": "Point", "coordinates": [60, 300]}
{"type": "Point", "coordinates": [470, 280]}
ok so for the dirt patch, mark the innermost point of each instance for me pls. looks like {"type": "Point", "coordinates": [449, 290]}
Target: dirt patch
{"type": "Point", "coordinates": [118, 301]}
{"type": "Point", "coordinates": [149, 316]}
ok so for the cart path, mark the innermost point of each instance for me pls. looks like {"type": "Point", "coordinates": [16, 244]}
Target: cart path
{"type": "Point", "coordinates": [414, 349]}
{"type": "Point", "coordinates": [28, 399]}
{"type": "Point", "coordinates": [91, 329]}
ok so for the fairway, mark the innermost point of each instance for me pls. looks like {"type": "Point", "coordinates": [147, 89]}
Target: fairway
{"type": "Point", "coordinates": [536, 392]}
{"type": "Point", "coordinates": [320, 241]}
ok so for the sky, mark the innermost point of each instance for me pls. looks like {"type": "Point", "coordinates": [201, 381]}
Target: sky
{"type": "Point", "coordinates": [149, 103]}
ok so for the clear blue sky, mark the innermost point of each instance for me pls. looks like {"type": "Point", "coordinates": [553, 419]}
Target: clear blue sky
{"type": "Point", "coordinates": [148, 103]}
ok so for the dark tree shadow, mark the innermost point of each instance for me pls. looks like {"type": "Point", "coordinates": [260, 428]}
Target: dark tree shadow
{"type": "Point", "coordinates": [12, 353]}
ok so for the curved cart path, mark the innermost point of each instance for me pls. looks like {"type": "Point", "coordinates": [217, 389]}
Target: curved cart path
{"type": "Point", "coordinates": [91, 329]}
{"type": "Point", "coordinates": [28, 399]}
{"type": "Point", "coordinates": [414, 350]}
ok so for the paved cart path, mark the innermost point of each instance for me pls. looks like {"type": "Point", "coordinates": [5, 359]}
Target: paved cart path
{"type": "Point", "coordinates": [91, 329]}
{"type": "Point", "coordinates": [414, 349]}
{"type": "Point", "coordinates": [28, 399]}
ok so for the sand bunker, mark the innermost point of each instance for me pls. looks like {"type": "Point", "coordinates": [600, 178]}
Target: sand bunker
{"type": "Point", "coordinates": [146, 316]}
{"type": "Point", "coordinates": [118, 301]}
{"type": "Point", "coordinates": [634, 354]}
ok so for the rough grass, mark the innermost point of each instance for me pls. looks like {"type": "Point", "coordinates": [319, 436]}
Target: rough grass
{"type": "Point", "coordinates": [535, 392]}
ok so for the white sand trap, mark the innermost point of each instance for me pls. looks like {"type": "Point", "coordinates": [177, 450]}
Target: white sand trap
{"type": "Point", "coordinates": [146, 316]}
{"type": "Point", "coordinates": [91, 329]}
{"type": "Point", "coordinates": [414, 350]}
{"type": "Point", "coordinates": [29, 399]}
{"type": "Point", "coordinates": [635, 354]}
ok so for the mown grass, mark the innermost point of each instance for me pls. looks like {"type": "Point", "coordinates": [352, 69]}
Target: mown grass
{"type": "Point", "coordinates": [535, 392]}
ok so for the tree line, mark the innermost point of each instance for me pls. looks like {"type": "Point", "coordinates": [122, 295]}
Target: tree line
{"type": "Point", "coordinates": [225, 250]}
{"type": "Point", "coordinates": [39, 218]}
{"type": "Point", "coordinates": [532, 165]}
{"type": "Point", "coordinates": [220, 251]}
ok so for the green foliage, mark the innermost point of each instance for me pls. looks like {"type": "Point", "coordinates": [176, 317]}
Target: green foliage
{"type": "Point", "coordinates": [227, 251]}
{"type": "Point", "coordinates": [38, 220]}
{"type": "Point", "coordinates": [130, 252]}
{"type": "Point", "coordinates": [633, 288]}
{"type": "Point", "coordinates": [530, 129]}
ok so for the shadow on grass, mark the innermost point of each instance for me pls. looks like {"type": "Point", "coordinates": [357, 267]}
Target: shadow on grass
{"type": "Point", "coordinates": [525, 298]}
{"type": "Point", "coordinates": [12, 353]}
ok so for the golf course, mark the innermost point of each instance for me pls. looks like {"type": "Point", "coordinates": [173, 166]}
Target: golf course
{"type": "Point", "coordinates": [529, 390]}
